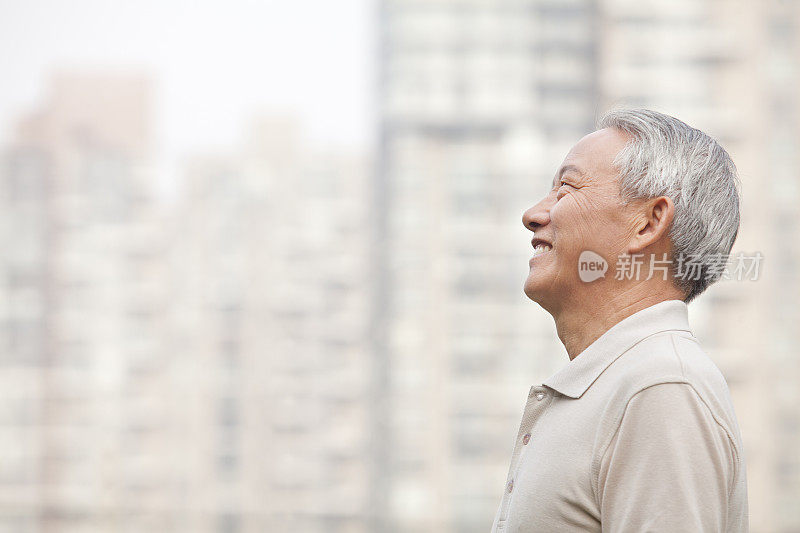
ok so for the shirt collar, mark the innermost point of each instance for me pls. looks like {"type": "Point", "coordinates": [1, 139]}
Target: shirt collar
{"type": "Point", "coordinates": [578, 375]}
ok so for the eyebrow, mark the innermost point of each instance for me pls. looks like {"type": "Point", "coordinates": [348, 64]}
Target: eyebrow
{"type": "Point", "coordinates": [564, 169]}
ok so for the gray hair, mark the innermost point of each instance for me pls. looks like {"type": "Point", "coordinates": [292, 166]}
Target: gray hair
{"type": "Point", "coordinates": [667, 157]}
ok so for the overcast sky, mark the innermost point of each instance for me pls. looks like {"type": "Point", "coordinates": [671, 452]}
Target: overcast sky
{"type": "Point", "coordinates": [214, 63]}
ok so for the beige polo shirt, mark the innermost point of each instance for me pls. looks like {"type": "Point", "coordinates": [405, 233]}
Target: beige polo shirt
{"type": "Point", "coordinates": [637, 433]}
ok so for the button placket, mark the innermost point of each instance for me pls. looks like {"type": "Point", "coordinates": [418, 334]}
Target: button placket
{"type": "Point", "coordinates": [534, 408]}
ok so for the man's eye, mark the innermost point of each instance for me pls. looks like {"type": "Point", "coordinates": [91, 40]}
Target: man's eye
{"type": "Point", "coordinates": [565, 183]}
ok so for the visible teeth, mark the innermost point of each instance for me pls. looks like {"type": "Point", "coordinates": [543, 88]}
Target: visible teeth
{"type": "Point", "coordinates": [541, 248]}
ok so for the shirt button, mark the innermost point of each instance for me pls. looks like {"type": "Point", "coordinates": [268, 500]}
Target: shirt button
{"type": "Point", "coordinates": [510, 486]}
{"type": "Point", "coordinates": [539, 396]}
{"type": "Point", "coordinates": [526, 439]}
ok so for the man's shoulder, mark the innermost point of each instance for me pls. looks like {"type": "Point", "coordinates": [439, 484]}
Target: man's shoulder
{"type": "Point", "coordinates": [666, 357]}
{"type": "Point", "coordinates": [671, 360]}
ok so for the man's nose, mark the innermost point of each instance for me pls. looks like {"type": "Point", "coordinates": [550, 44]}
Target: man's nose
{"type": "Point", "coordinates": [538, 215]}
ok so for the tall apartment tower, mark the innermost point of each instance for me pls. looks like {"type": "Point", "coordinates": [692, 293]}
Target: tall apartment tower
{"type": "Point", "coordinates": [82, 325]}
{"type": "Point", "coordinates": [270, 320]}
{"type": "Point", "coordinates": [479, 102]}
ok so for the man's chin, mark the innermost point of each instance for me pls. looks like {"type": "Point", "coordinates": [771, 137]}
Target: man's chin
{"type": "Point", "coordinates": [535, 289]}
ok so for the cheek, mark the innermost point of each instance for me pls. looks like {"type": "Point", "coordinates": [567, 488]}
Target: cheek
{"type": "Point", "coordinates": [573, 226]}
{"type": "Point", "coordinates": [607, 234]}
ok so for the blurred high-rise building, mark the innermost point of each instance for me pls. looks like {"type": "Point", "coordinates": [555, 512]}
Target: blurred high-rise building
{"type": "Point", "coordinates": [272, 293]}
{"type": "Point", "coordinates": [81, 342]}
{"type": "Point", "coordinates": [479, 102]}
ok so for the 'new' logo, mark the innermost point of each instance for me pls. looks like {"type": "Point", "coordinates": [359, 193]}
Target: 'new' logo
{"type": "Point", "coordinates": [591, 266]}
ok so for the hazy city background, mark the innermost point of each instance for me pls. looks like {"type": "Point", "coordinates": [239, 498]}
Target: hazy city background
{"type": "Point", "coordinates": [262, 262]}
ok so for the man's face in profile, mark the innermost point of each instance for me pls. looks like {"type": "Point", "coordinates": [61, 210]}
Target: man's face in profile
{"type": "Point", "coordinates": [582, 211]}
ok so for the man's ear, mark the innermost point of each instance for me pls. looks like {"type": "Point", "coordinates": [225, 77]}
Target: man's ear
{"type": "Point", "coordinates": [653, 222]}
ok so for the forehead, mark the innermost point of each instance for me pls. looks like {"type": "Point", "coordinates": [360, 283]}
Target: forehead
{"type": "Point", "coordinates": [593, 156]}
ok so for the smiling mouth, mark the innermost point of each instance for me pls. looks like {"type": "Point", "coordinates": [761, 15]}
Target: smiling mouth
{"type": "Point", "coordinates": [541, 249]}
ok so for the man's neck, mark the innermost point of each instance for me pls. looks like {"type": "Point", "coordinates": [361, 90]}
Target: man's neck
{"type": "Point", "coordinates": [578, 326]}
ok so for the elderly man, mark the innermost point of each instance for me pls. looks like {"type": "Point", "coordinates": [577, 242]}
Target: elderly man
{"type": "Point", "coordinates": [637, 432]}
